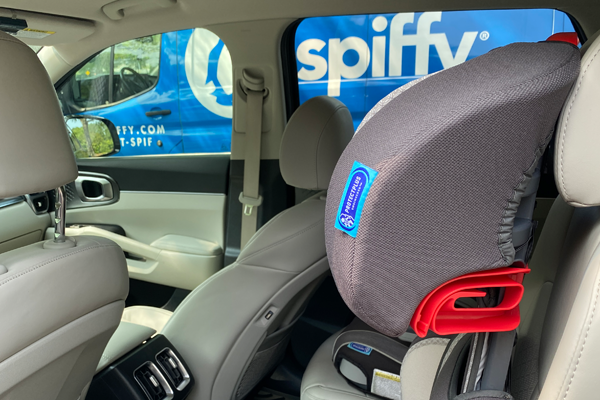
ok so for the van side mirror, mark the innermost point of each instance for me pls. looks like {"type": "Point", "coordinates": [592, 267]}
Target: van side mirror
{"type": "Point", "coordinates": [92, 136]}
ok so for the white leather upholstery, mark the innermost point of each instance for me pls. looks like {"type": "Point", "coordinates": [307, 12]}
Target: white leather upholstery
{"type": "Point", "coordinates": [558, 344]}
{"type": "Point", "coordinates": [313, 141]}
{"type": "Point", "coordinates": [220, 328]}
{"type": "Point", "coordinates": [126, 338]}
{"type": "Point", "coordinates": [152, 317]}
{"type": "Point", "coordinates": [59, 309]}
{"type": "Point", "coordinates": [220, 325]}
{"type": "Point", "coordinates": [35, 155]}
{"type": "Point", "coordinates": [576, 161]}
{"type": "Point", "coordinates": [420, 366]}
{"type": "Point", "coordinates": [61, 302]}
{"type": "Point", "coordinates": [570, 347]}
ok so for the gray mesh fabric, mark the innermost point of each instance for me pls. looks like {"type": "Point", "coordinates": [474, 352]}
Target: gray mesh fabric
{"type": "Point", "coordinates": [453, 154]}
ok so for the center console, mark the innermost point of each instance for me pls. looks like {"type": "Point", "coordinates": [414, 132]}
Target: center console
{"type": "Point", "coordinates": [152, 371]}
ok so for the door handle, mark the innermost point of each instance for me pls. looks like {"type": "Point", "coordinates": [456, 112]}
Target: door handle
{"type": "Point", "coordinates": [156, 113]}
{"type": "Point", "coordinates": [94, 189]}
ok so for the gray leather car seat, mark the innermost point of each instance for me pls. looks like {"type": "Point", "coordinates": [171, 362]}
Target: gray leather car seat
{"type": "Point", "coordinates": [61, 300]}
{"type": "Point", "coordinates": [558, 344]}
{"type": "Point", "coordinates": [233, 329]}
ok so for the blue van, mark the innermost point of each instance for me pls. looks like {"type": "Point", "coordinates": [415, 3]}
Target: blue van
{"type": "Point", "coordinates": [172, 93]}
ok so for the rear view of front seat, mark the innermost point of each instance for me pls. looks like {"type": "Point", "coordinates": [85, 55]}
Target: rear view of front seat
{"type": "Point", "coordinates": [422, 207]}
{"type": "Point", "coordinates": [61, 300]}
{"type": "Point", "coordinates": [234, 328]}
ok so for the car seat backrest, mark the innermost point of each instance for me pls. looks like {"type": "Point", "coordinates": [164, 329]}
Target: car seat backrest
{"type": "Point", "coordinates": [235, 327]}
{"type": "Point", "coordinates": [448, 161]}
{"type": "Point", "coordinates": [61, 300]}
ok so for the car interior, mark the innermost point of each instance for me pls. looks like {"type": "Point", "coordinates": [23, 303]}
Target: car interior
{"type": "Point", "coordinates": [311, 200]}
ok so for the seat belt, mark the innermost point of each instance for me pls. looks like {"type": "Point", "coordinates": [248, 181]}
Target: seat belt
{"type": "Point", "coordinates": [249, 197]}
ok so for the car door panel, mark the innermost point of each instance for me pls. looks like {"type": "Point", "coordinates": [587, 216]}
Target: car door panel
{"type": "Point", "coordinates": [173, 239]}
{"type": "Point", "coordinates": [171, 211]}
{"type": "Point", "coordinates": [20, 224]}
{"type": "Point", "coordinates": [170, 206]}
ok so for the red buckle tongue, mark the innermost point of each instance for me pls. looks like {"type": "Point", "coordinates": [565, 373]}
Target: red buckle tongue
{"type": "Point", "coordinates": [438, 312]}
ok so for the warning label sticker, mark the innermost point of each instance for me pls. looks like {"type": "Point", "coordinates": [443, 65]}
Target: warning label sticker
{"type": "Point", "coordinates": [29, 33]}
{"type": "Point", "coordinates": [386, 384]}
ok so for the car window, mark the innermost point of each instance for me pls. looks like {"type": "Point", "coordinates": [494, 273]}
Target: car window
{"type": "Point", "coordinates": [166, 94]}
{"type": "Point", "coordinates": [360, 59]}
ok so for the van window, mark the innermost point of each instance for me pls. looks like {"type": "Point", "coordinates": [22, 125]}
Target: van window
{"type": "Point", "coordinates": [116, 73]}
{"type": "Point", "coordinates": [135, 66]}
{"type": "Point", "coordinates": [90, 84]}
{"type": "Point", "coordinates": [166, 94]}
{"type": "Point", "coordinates": [360, 59]}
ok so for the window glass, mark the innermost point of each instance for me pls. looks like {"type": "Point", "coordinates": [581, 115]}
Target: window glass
{"type": "Point", "coordinates": [360, 59]}
{"type": "Point", "coordinates": [165, 94]}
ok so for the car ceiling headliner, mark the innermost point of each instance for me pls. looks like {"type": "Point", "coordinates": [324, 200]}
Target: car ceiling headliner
{"type": "Point", "coordinates": [196, 13]}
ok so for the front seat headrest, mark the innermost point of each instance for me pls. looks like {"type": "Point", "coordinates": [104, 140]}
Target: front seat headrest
{"type": "Point", "coordinates": [313, 141]}
{"type": "Point", "coordinates": [35, 154]}
{"type": "Point", "coordinates": [576, 157]}
{"type": "Point", "coordinates": [428, 188]}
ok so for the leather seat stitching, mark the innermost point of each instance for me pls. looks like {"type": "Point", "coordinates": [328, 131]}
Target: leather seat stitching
{"type": "Point", "coordinates": [320, 386]}
{"type": "Point", "coordinates": [53, 260]}
{"type": "Point", "coordinates": [319, 222]}
{"type": "Point", "coordinates": [564, 135]}
{"type": "Point", "coordinates": [589, 325]}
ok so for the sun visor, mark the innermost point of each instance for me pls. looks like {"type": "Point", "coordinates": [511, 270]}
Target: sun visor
{"type": "Point", "coordinates": [42, 29]}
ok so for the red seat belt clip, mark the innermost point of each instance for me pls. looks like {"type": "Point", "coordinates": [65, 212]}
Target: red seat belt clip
{"type": "Point", "coordinates": [438, 311]}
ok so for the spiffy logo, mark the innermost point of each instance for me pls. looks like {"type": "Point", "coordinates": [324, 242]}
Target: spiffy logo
{"type": "Point", "coordinates": [209, 72]}
{"type": "Point", "coordinates": [388, 41]}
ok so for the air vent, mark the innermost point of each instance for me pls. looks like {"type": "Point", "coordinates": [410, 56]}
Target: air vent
{"type": "Point", "coordinates": [38, 202]}
{"type": "Point", "coordinates": [153, 382]}
{"type": "Point", "coordinates": [173, 368]}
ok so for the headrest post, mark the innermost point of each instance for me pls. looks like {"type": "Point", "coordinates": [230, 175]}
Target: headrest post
{"type": "Point", "coordinates": [59, 215]}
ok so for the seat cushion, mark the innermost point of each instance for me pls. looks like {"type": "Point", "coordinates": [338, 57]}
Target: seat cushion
{"type": "Point", "coordinates": [152, 317]}
{"type": "Point", "coordinates": [322, 381]}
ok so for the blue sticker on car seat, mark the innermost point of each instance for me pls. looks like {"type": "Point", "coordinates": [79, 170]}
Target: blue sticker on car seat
{"type": "Point", "coordinates": [356, 191]}
{"type": "Point", "coordinates": [361, 348]}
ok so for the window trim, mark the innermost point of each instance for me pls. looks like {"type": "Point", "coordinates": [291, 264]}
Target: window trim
{"type": "Point", "coordinates": [289, 69]}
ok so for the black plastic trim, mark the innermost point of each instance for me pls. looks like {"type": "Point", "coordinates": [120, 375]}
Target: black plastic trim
{"type": "Point", "coordinates": [578, 29]}
{"type": "Point", "coordinates": [291, 92]}
{"type": "Point", "coordinates": [203, 173]}
{"type": "Point", "coordinates": [117, 382]}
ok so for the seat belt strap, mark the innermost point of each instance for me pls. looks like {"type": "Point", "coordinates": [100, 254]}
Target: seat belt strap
{"type": "Point", "coordinates": [500, 351]}
{"type": "Point", "coordinates": [249, 197]}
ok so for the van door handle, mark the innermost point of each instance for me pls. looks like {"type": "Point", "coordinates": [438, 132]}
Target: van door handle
{"type": "Point", "coordinates": [156, 113]}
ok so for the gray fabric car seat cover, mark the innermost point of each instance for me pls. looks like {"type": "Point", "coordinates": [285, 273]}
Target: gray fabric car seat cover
{"type": "Point", "coordinates": [454, 154]}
